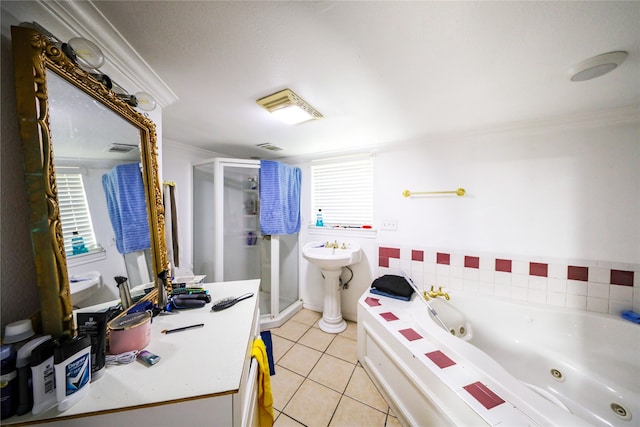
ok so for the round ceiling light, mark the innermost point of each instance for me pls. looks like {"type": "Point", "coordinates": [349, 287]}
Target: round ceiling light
{"type": "Point", "coordinates": [596, 66]}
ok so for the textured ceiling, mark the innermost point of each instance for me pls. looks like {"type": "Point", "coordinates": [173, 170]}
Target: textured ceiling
{"type": "Point", "coordinates": [380, 72]}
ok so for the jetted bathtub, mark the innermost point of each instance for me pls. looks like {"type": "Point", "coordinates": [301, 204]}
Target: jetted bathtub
{"type": "Point", "coordinates": [500, 363]}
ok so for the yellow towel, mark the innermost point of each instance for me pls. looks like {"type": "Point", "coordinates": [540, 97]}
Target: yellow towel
{"type": "Point", "coordinates": [265, 397]}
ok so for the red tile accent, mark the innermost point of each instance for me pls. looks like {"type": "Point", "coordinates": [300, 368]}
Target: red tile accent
{"type": "Point", "coordinates": [410, 334]}
{"type": "Point", "coordinates": [383, 261]}
{"type": "Point", "coordinates": [472, 261]}
{"type": "Point", "coordinates": [389, 252]}
{"type": "Point", "coordinates": [503, 265]}
{"type": "Point", "coordinates": [620, 277]}
{"type": "Point", "coordinates": [388, 316]}
{"type": "Point", "coordinates": [538, 269]}
{"type": "Point", "coordinates": [578, 273]}
{"type": "Point", "coordinates": [443, 258]}
{"type": "Point", "coordinates": [484, 395]}
{"type": "Point", "coordinates": [372, 302]}
{"type": "Point", "coordinates": [417, 255]}
{"type": "Point", "coordinates": [440, 359]}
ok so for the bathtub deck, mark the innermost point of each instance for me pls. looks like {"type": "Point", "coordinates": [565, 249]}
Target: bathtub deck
{"type": "Point", "coordinates": [387, 332]}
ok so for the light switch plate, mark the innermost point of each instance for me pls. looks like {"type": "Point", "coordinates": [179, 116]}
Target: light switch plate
{"type": "Point", "coordinates": [389, 224]}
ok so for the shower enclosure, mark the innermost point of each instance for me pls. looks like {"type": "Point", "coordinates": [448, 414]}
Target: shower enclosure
{"type": "Point", "coordinates": [228, 244]}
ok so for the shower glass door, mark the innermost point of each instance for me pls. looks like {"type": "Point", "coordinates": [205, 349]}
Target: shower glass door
{"type": "Point", "coordinates": [228, 244]}
{"type": "Point", "coordinates": [243, 252]}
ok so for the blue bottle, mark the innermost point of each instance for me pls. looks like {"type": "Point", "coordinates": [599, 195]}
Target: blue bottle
{"type": "Point", "coordinates": [77, 244]}
{"type": "Point", "coordinates": [319, 221]}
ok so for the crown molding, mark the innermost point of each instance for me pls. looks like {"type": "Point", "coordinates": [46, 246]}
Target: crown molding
{"type": "Point", "coordinates": [587, 120]}
{"type": "Point", "coordinates": [169, 144]}
{"type": "Point", "coordinates": [122, 63]}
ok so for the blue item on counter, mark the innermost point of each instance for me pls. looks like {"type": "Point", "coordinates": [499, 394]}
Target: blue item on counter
{"type": "Point", "coordinates": [631, 316]}
{"type": "Point", "coordinates": [142, 306]}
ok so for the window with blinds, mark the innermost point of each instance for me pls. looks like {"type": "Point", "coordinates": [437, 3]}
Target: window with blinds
{"type": "Point", "coordinates": [343, 189]}
{"type": "Point", "coordinates": [74, 212]}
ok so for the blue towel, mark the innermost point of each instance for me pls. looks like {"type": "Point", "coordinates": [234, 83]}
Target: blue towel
{"type": "Point", "coordinates": [266, 337]}
{"type": "Point", "coordinates": [631, 316]}
{"type": "Point", "coordinates": [279, 198]}
{"type": "Point", "coordinates": [127, 207]}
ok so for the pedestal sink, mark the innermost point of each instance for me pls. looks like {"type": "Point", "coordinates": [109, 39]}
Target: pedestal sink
{"type": "Point", "coordinates": [331, 258]}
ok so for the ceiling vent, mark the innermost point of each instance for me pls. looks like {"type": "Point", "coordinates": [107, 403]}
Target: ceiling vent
{"type": "Point", "coordinates": [289, 107]}
{"type": "Point", "coordinates": [121, 148]}
{"type": "Point", "coordinates": [268, 146]}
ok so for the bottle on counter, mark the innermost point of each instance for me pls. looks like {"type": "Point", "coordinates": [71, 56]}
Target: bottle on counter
{"type": "Point", "coordinates": [8, 382]}
{"type": "Point", "coordinates": [43, 377]}
{"type": "Point", "coordinates": [72, 363]}
{"type": "Point", "coordinates": [319, 220]}
{"type": "Point", "coordinates": [23, 367]}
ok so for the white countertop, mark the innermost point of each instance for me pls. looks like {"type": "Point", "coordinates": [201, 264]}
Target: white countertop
{"type": "Point", "coordinates": [196, 363]}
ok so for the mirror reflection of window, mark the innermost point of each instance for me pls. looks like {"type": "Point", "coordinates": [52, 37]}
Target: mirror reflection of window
{"type": "Point", "coordinates": [75, 216]}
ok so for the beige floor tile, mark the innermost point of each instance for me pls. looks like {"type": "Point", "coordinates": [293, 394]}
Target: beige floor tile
{"type": "Point", "coordinates": [300, 359]}
{"type": "Point", "coordinates": [284, 421]}
{"type": "Point", "coordinates": [332, 372]}
{"type": "Point", "coordinates": [392, 421]}
{"type": "Point", "coordinates": [353, 413]}
{"type": "Point", "coordinates": [361, 388]}
{"type": "Point", "coordinates": [308, 317]}
{"type": "Point", "coordinates": [344, 348]}
{"type": "Point", "coordinates": [283, 386]}
{"type": "Point", "coordinates": [280, 346]}
{"type": "Point", "coordinates": [351, 331]}
{"type": "Point", "coordinates": [317, 339]}
{"type": "Point", "coordinates": [313, 404]}
{"type": "Point", "coordinates": [291, 330]}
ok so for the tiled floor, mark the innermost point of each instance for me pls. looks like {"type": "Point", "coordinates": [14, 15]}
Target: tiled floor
{"type": "Point", "coordinates": [319, 381]}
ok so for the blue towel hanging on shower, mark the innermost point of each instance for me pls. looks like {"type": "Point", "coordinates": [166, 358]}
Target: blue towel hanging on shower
{"type": "Point", "coordinates": [126, 203]}
{"type": "Point", "coordinates": [279, 198]}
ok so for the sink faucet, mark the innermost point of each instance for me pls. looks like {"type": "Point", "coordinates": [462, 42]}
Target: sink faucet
{"type": "Point", "coordinates": [333, 245]}
{"type": "Point", "coordinates": [434, 294]}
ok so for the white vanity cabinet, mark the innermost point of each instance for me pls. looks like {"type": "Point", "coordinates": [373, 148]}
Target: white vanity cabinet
{"type": "Point", "coordinates": [206, 376]}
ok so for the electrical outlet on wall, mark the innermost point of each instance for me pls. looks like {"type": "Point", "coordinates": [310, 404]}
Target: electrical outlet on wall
{"type": "Point", "coordinates": [389, 224]}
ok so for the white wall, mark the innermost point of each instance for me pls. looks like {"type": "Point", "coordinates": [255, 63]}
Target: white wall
{"type": "Point", "coordinates": [570, 194]}
{"type": "Point", "coordinates": [177, 161]}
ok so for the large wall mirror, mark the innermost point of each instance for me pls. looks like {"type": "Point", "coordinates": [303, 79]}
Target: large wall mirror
{"type": "Point", "coordinates": [76, 133]}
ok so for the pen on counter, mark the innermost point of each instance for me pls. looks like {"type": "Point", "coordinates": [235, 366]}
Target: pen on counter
{"type": "Point", "coordinates": [184, 328]}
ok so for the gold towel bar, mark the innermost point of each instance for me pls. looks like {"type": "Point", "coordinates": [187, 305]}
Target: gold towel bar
{"type": "Point", "coordinates": [457, 192]}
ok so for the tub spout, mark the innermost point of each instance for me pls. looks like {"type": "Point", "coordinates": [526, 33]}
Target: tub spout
{"type": "Point", "coordinates": [434, 294]}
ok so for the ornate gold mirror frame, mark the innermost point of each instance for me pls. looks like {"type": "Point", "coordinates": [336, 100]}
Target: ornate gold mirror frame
{"type": "Point", "coordinates": [34, 56]}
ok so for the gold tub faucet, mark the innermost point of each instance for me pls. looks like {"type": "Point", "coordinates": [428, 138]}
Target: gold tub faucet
{"type": "Point", "coordinates": [434, 294]}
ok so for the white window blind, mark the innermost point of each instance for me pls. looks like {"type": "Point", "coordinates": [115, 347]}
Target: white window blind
{"type": "Point", "coordinates": [343, 189]}
{"type": "Point", "coordinates": [74, 211]}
